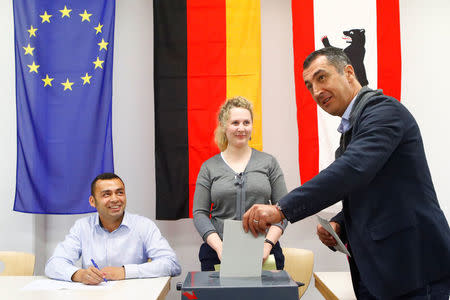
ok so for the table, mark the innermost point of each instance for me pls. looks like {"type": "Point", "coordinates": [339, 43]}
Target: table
{"type": "Point", "coordinates": [334, 285]}
{"type": "Point", "coordinates": [148, 288]}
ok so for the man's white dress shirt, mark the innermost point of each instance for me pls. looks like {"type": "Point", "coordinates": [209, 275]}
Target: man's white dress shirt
{"type": "Point", "coordinates": [131, 245]}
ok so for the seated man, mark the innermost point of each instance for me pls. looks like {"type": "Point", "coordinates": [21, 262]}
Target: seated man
{"type": "Point", "coordinates": [120, 243]}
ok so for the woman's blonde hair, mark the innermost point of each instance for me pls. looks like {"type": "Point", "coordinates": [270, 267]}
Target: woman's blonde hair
{"type": "Point", "coordinates": [224, 115]}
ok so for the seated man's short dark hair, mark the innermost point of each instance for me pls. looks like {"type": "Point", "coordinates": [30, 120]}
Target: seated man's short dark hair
{"type": "Point", "coordinates": [104, 176]}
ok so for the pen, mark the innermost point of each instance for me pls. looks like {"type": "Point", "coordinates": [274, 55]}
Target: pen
{"type": "Point", "coordinates": [95, 265]}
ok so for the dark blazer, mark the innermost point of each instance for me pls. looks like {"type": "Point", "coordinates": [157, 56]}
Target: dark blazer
{"type": "Point", "coordinates": [398, 234]}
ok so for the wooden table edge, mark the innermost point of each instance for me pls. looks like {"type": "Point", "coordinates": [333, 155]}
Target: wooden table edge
{"type": "Point", "coordinates": [323, 289]}
{"type": "Point", "coordinates": [165, 290]}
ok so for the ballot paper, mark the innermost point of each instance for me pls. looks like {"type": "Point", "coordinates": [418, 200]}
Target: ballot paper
{"type": "Point", "coordinates": [53, 285]}
{"type": "Point", "coordinates": [327, 226]}
{"type": "Point", "coordinates": [269, 265]}
{"type": "Point", "coordinates": [242, 253]}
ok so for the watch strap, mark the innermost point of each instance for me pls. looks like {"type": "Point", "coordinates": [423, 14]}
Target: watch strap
{"type": "Point", "coordinates": [269, 242]}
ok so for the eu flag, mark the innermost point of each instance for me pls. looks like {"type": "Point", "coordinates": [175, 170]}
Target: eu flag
{"type": "Point", "coordinates": [64, 63]}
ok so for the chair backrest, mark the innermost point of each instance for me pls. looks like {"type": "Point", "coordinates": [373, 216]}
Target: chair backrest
{"type": "Point", "coordinates": [17, 263]}
{"type": "Point", "coordinates": [299, 264]}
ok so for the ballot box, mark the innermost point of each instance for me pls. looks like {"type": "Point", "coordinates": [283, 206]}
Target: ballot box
{"type": "Point", "coordinates": [208, 285]}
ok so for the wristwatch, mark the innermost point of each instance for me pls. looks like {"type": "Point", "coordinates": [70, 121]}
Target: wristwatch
{"type": "Point", "coordinates": [280, 210]}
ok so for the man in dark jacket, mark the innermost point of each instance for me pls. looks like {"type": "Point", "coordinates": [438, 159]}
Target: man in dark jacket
{"type": "Point", "coordinates": [397, 233]}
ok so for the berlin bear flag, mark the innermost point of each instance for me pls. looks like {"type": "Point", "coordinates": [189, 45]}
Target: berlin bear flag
{"type": "Point", "coordinates": [64, 60]}
{"type": "Point", "coordinates": [369, 33]}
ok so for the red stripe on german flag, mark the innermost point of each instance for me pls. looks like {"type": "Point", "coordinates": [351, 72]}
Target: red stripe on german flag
{"type": "Point", "coordinates": [206, 80]}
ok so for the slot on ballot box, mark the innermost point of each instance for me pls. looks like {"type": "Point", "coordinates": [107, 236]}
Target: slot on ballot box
{"type": "Point", "coordinates": [209, 285]}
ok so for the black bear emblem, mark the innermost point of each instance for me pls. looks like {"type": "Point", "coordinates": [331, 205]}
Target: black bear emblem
{"type": "Point", "coordinates": [355, 51]}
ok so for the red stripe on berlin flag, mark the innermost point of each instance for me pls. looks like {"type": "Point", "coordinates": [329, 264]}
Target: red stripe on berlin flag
{"type": "Point", "coordinates": [206, 80]}
{"type": "Point", "coordinates": [308, 136]}
{"type": "Point", "coordinates": [389, 48]}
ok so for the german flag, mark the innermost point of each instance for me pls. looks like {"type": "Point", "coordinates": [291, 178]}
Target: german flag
{"type": "Point", "coordinates": [205, 52]}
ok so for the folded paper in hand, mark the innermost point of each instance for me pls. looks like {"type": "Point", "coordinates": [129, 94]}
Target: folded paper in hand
{"type": "Point", "coordinates": [327, 226]}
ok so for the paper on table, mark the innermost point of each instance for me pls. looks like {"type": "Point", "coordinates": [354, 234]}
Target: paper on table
{"type": "Point", "coordinates": [340, 246]}
{"type": "Point", "coordinates": [50, 284]}
{"type": "Point", "coordinates": [242, 253]}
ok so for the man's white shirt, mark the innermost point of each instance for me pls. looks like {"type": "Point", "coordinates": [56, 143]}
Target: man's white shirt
{"type": "Point", "coordinates": [131, 245]}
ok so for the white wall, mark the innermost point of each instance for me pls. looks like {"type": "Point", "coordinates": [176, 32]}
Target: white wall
{"type": "Point", "coordinates": [425, 31]}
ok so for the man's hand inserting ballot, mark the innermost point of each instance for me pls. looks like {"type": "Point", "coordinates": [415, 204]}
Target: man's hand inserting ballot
{"type": "Point", "coordinates": [259, 218]}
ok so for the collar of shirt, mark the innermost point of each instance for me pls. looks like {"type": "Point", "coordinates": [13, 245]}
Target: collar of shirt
{"type": "Point", "coordinates": [344, 126]}
{"type": "Point", "coordinates": [125, 221]}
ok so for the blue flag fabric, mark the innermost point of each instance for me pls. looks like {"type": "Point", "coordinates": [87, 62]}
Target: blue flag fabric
{"type": "Point", "coordinates": [64, 63]}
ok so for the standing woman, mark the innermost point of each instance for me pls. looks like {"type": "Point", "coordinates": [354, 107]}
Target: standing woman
{"type": "Point", "coordinates": [232, 181]}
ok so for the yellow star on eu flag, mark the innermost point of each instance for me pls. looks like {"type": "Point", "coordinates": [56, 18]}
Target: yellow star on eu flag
{"type": "Point", "coordinates": [33, 67]}
{"type": "Point", "coordinates": [67, 84]}
{"type": "Point", "coordinates": [45, 17]}
{"type": "Point", "coordinates": [86, 79]}
{"type": "Point", "coordinates": [65, 12]}
{"type": "Point", "coordinates": [85, 16]}
{"type": "Point", "coordinates": [103, 45]}
{"type": "Point", "coordinates": [98, 63]}
{"type": "Point", "coordinates": [32, 31]}
{"type": "Point", "coordinates": [28, 50]}
{"type": "Point", "coordinates": [47, 80]}
{"type": "Point", "coordinates": [98, 29]}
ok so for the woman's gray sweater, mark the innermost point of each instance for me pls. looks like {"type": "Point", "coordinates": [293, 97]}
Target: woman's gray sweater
{"type": "Point", "coordinates": [232, 194]}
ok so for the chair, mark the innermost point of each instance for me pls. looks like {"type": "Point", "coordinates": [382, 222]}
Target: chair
{"type": "Point", "coordinates": [17, 263]}
{"type": "Point", "coordinates": [299, 264]}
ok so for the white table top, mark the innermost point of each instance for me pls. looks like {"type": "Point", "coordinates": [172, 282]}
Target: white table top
{"type": "Point", "coordinates": [335, 285]}
{"type": "Point", "coordinates": [148, 288]}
